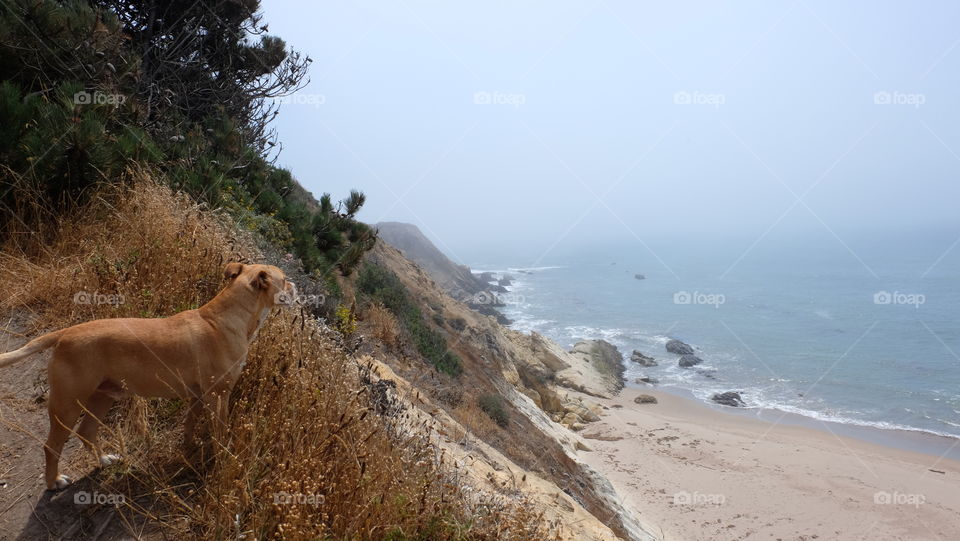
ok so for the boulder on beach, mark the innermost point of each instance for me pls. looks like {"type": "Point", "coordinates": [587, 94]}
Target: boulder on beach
{"type": "Point", "coordinates": [645, 399]}
{"type": "Point", "coordinates": [647, 379]}
{"type": "Point", "coordinates": [641, 359]}
{"type": "Point", "coordinates": [678, 347]}
{"type": "Point", "coordinates": [729, 398]}
{"type": "Point", "coordinates": [605, 358]}
{"type": "Point", "coordinates": [686, 361]}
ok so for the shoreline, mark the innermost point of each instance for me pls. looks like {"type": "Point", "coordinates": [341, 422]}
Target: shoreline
{"type": "Point", "coordinates": [902, 439]}
{"type": "Point", "coordinates": [702, 473]}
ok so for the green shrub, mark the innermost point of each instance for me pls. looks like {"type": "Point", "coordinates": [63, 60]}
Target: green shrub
{"type": "Point", "coordinates": [68, 125]}
{"type": "Point", "coordinates": [493, 406]}
{"type": "Point", "coordinates": [381, 285]}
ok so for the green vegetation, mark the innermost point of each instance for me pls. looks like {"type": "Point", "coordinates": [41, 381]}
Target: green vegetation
{"type": "Point", "coordinates": [381, 285]}
{"type": "Point", "coordinates": [93, 90]}
{"type": "Point", "coordinates": [346, 321]}
{"type": "Point", "coordinates": [492, 405]}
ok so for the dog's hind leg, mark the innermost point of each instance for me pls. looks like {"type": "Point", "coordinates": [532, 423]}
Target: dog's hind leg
{"type": "Point", "coordinates": [95, 412]}
{"type": "Point", "coordinates": [64, 413]}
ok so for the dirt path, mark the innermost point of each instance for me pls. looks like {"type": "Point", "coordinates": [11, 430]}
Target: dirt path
{"type": "Point", "coordinates": [27, 511]}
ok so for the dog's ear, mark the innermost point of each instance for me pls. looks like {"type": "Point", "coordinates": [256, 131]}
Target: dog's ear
{"type": "Point", "coordinates": [232, 270]}
{"type": "Point", "coordinates": [262, 280]}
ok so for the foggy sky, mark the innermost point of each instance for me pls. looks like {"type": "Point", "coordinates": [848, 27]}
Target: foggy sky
{"type": "Point", "coordinates": [537, 127]}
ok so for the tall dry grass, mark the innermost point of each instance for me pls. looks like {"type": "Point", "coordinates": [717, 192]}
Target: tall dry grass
{"type": "Point", "coordinates": [305, 456]}
{"type": "Point", "coordinates": [383, 324]}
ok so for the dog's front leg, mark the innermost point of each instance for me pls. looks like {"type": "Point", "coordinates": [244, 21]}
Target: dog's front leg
{"type": "Point", "coordinates": [217, 402]}
{"type": "Point", "coordinates": [194, 405]}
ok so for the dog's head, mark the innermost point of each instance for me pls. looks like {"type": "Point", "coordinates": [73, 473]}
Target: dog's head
{"type": "Point", "coordinates": [269, 281]}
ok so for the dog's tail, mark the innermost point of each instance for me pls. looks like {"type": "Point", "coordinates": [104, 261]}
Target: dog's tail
{"type": "Point", "coordinates": [34, 346]}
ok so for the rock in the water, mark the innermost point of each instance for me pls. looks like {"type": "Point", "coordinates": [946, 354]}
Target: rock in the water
{"type": "Point", "coordinates": [678, 347]}
{"type": "Point", "coordinates": [645, 399]}
{"type": "Point", "coordinates": [641, 359]}
{"type": "Point", "coordinates": [505, 281]}
{"type": "Point", "coordinates": [639, 277]}
{"type": "Point", "coordinates": [648, 380]}
{"type": "Point", "coordinates": [729, 398]}
{"type": "Point", "coordinates": [686, 361]}
{"type": "Point", "coordinates": [709, 374]}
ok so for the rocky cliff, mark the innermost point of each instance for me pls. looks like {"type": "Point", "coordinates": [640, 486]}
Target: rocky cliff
{"type": "Point", "coordinates": [536, 452]}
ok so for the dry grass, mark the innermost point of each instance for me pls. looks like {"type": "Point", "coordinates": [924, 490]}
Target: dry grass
{"type": "Point", "coordinates": [383, 324]}
{"type": "Point", "coordinates": [302, 422]}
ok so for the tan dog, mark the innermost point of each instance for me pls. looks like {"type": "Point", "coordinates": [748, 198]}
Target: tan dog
{"type": "Point", "coordinates": [196, 355]}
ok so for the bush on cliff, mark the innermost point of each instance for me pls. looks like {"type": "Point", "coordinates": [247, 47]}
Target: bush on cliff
{"type": "Point", "coordinates": [492, 405]}
{"type": "Point", "coordinates": [381, 285]}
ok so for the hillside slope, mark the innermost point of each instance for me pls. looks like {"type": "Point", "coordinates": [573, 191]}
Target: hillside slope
{"type": "Point", "coordinates": [457, 280]}
{"type": "Point", "coordinates": [532, 375]}
{"type": "Point", "coordinates": [307, 418]}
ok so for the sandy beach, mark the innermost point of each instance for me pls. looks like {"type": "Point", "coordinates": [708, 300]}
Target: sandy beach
{"type": "Point", "coordinates": [700, 473]}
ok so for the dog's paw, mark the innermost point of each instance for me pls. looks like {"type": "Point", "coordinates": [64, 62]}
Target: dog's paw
{"type": "Point", "coordinates": [109, 460]}
{"type": "Point", "coordinates": [60, 483]}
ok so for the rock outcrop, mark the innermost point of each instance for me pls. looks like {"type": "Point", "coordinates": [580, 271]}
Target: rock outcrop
{"type": "Point", "coordinates": [605, 359]}
{"type": "Point", "coordinates": [488, 471]}
{"type": "Point", "coordinates": [686, 361]}
{"type": "Point", "coordinates": [641, 359]}
{"type": "Point", "coordinates": [678, 347]}
{"type": "Point", "coordinates": [729, 398]}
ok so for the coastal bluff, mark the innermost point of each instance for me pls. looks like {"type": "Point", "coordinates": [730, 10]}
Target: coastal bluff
{"type": "Point", "coordinates": [548, 394]}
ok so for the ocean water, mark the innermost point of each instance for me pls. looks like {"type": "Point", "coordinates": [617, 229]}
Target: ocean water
{"type": "Point", "coordinates": [861, 333]}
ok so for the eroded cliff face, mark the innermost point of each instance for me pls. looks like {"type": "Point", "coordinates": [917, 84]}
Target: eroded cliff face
{"type": "Point", "coordinates": [536, 453]}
